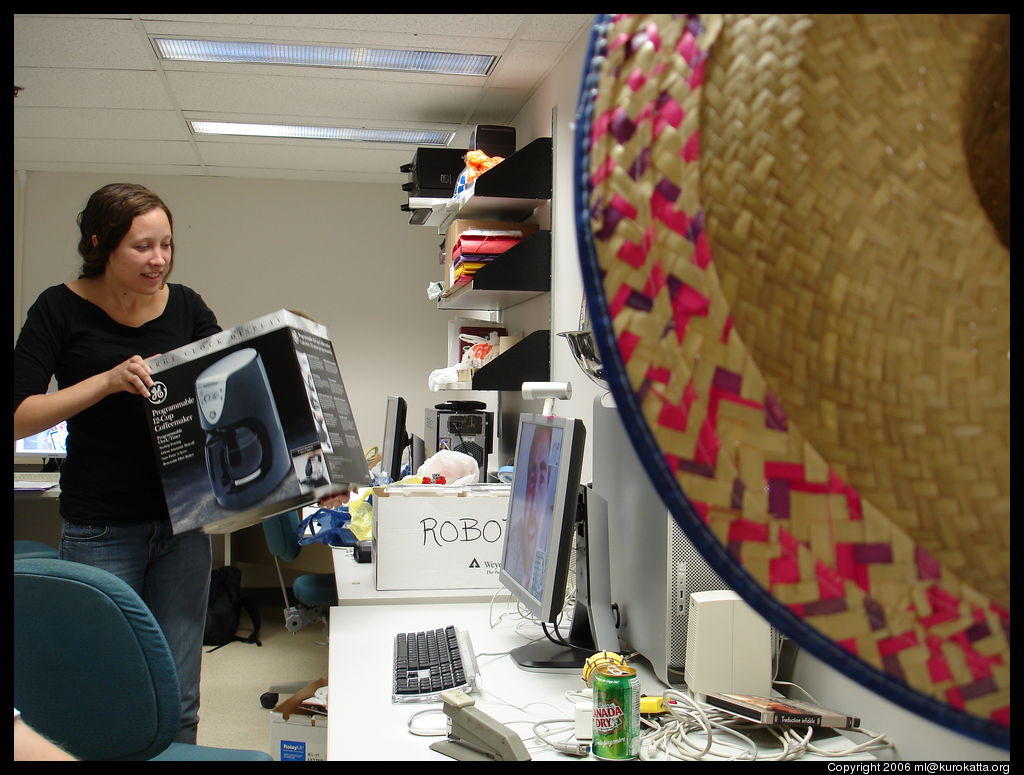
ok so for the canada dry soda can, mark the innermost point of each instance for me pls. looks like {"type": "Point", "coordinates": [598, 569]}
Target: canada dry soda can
{"type": "Point", "coordinates": [616, 712]}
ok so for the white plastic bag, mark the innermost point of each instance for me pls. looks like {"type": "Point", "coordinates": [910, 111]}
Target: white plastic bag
{"type": "Point", "coordinates": [456, 467]}
{"type": "Point", "coordinates": [481, 350]}
{"type": "Point", "coordinates": [440, 379]}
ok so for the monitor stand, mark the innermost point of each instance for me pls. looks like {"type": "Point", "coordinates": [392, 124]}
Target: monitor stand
{"type": "Point", "coordinates": [544, 656]}
{"type": "Point", "coordinates": [593, 624]}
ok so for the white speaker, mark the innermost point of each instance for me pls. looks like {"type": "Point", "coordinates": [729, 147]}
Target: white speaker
{"type": "Point", "coordinates": [728, 646]}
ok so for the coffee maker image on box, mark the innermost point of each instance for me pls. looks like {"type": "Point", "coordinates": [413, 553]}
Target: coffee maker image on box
{"type": "Point", "coordinates": [246, 452]}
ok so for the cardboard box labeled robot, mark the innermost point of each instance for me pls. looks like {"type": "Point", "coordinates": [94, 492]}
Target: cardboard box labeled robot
{"type": "Point", "coordinates": [438, 537]}
{"type": "Point", "coordinates": [252, 422]}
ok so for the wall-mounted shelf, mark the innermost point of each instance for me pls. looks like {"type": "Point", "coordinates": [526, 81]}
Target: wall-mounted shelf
{"type": "Point", "coordinates": [515, 276]}
{"type": "Point", "coordinates": [527, 361]}
{"type": "Point", "coordinates": [526, 174]}
{"type": "Point", "coordinates": [511, 190]}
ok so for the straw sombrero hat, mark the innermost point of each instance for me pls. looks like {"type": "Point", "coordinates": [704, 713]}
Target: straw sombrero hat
{"type": "Point", "coordinates": [794, 237]}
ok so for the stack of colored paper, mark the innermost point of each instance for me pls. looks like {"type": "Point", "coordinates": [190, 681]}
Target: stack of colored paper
{"type": "Point", "coordinates": [475, 248]}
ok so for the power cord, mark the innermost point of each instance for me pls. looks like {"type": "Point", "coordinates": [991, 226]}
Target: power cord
{"type": "Point", "coordinates": [686, 715]}
{"type": "Point", "coordinates": [557, 637]}
{"type": "Point", "coordinates": [695, 731]}
{"type": "Point", "coordinates": [877, 742]}
{"type": "Point", "coordinates": [572, 749]}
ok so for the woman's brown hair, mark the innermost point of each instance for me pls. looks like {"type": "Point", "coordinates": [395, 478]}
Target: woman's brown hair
{"type": "Point", "coordinates": [108, 216]}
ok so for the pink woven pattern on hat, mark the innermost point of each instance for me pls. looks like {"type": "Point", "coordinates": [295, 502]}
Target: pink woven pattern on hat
{"type": "Point", "coordinates": [801, 531]}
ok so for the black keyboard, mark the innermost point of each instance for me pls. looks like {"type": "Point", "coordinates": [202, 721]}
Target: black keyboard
{"type": "Point", "coordinates": [429, 662]}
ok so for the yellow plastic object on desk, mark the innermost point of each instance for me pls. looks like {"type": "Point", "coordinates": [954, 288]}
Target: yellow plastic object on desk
{"type": "Point", "coordinates": [600, 658]}
{"type": "Point", "coordinates": [360, 513]}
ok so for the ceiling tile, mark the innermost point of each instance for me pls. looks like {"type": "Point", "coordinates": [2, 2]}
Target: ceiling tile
{"type": "Point", "coordinates": [99, 123]}
{"type": "Point", "coordinates": [61, 87]}
{"type": "Point", "coordinates": [86, 43]}
{"type": "Point", "coordinates": [102, 151]}
{"type": "Point", "coordinates": [96, 97]}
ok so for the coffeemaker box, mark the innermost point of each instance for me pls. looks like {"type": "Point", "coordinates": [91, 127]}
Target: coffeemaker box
{"type": "Point", "coordinates": [252, 422]}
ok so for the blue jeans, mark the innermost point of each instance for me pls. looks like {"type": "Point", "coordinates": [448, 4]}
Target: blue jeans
{"type": "Point", "coordinates": [171, 573]}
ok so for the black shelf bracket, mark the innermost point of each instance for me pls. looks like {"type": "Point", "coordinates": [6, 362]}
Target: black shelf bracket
{"type": "Point", "coordinates": [529, 360]}
{"type": "Point", "coordinates": [526, 174]}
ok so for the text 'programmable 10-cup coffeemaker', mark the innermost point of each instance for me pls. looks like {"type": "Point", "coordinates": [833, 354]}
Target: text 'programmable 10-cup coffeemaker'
{"type": "Point", "coordinates": [461, 426]}
{"type": "Point", "coordinates": [246, 452]}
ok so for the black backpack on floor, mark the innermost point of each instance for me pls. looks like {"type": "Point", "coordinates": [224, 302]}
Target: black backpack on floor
{"type": "Point", "coordinates": [224, 610]}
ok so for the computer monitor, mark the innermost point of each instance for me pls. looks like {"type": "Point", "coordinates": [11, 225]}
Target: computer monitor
{"type": "Point", "coordinates": [396, 439]}
{"type": "Point", "coordinates": [51, 443]}
{"type": "Point", "coordinates": [547, 510]}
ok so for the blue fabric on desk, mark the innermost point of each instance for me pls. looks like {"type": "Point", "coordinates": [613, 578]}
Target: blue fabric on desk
{"type": "Point", "coordinates": [327, 526]}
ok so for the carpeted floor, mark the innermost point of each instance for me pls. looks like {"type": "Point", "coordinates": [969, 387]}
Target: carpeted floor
{"type": "Point", "coordinates": [234, 676]}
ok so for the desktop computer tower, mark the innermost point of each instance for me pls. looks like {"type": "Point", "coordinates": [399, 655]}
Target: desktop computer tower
{"type": "Point", "coordinates": [654, 566]}
{"type": "Point", "coordinates": [454, 426]}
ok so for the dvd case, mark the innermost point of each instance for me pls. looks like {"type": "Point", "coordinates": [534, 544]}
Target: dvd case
{"type": "Point", "coordinates": [781, 710]}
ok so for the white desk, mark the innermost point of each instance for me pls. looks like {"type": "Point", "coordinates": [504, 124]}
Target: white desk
{"type": "Point", "coordinates": [365, 725]}
{"type": "Point", "coordinates": [36, 513]}
{"type": "Point", "coordinates": [36, 485]}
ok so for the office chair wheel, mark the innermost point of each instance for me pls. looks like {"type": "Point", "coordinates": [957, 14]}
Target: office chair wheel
{"type": "Point", "coordinates": [269, 700]}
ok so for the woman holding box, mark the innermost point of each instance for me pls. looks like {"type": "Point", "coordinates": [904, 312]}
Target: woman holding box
{"type": "Point", "coordinates": [93, 335]}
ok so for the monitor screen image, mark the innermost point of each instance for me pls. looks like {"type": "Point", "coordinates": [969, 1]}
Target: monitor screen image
{"type": "Point", "coordinates": [51, 443]}
{"type": "Point", "coordinates": [546, 528]}
{"type": "Point", "coordinates": [531, 519]}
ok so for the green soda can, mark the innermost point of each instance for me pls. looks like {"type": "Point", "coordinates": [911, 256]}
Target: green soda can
{"type": "Point", "coordinates": [616, 712]}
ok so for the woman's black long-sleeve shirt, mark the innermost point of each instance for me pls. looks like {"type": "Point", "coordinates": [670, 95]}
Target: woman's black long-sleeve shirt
{"type": "Point", "coordinates": [110, 474]}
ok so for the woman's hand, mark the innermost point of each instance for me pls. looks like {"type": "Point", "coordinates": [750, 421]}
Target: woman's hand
{"type": "Point", "coordinates": [131, 376]}
{"type": "Point", "coordinates": [334, 500]}
{"type": "Point", "coordinates": [39, 412]}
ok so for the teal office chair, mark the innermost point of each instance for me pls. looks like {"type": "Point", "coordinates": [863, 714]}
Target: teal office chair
{"type": "Point", "coordinates": [25, 549]}
{"type": "Point", "coordinates": [92, 670]}
{"type": "Point", "coordinates": [314, 593]}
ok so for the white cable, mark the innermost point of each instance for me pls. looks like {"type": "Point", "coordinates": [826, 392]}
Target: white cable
{"type": "Point", "coordinates": [492, 654]}
{"type": "Point", "coordinates": [797, 686]}
{"type": "Point", "coordinates": [573, 749]}
{"type": "Point", "coordinates": [681, 747]}
{"type": "Point", "coordinates": [522, 709]}
{"type": "Point", "coordinates": [490, 609]}
{"type": "Point", "coordinates": [877, 742]}
{"type": "Point", "coordinates": [573, 696]}
{"type": "Point", "coordinates": [720, 738]}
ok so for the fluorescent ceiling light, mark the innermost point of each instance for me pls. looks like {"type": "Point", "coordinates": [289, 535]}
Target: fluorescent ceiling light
{"type": "Point", "coordinates": [358, 57]}
{"type": "Point", "coordinates": [354, 134]}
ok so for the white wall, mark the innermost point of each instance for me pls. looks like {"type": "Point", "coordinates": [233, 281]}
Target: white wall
{"type": "Point", "coordinates": [342, 253]}
{"type": "Point", "coordinates": [552, 112]}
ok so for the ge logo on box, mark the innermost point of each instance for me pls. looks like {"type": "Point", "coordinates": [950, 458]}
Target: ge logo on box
{"type": "Point", "coordinates": [158, 393]}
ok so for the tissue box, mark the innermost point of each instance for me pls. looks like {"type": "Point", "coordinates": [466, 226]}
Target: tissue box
{"type": "Point", "coordinates": [252, 422]}
{"type": "Point", "coordinates": [299, 739]}
{"type": "Point", "coordinates": [439, 537]}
